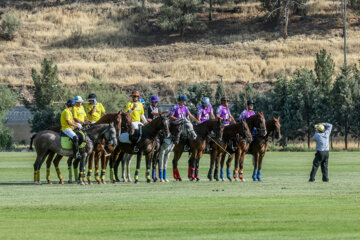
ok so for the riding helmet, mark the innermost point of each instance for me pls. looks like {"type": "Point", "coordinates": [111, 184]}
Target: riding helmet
{"type": "Point", "coordinates": [223, 99]}
{"type": "Point", "coordinates": [91, 96]}
{"type": "Point", "coordinates": [142, 101]}
{"type": "Point", "coordinates": [70, 103]}
{"type": "Point", "coordinates": [79, 99]}
{"type": "Point", "coordinates": [250, 102]}
{"type": "Point", "coordinates": [154, 98]}
{"type": "Point", "coordinates": [182, 97]}
{"type": "Point", "coordinates": [206, 101]}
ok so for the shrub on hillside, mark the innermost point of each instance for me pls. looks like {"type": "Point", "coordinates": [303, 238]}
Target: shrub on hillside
{"type": "Point", "coordinates": [8, 27]}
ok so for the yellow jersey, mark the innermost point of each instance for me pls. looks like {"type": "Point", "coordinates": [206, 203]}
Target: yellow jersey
{"type": "Point", "coordinates": [137, 112]}
{"type": "Point", "coordinates": [99, 109]}
{"type": "Point", "coordinates": [79, 113]}
{"type": "Point", "coordinates": [66, 115]}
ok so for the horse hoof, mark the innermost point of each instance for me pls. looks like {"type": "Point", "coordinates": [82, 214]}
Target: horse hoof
{"type": "Point", "coordinates": [243, 180]}
{"type": "Point", "coordinates": [49, 182]}
{"type": "Point", "coordinates": [166, 180]}
{"type": "Point", "coordinates": [217, 179]}
{"type": "Point", "coordinates": [222, 179]}
{"type": "Point", "coordinates": [148, 181]}
{"type": "Point", "coordinates": [61, 181]}
{"type": "Point", "coordinates": [254, 180]}
{"type": "Point", "coordinates": [136, 181]}
{"type": "Point", "coordinates": [198, 179]}
{"type": "Point", "coordinates": [70, 181]}
{"type": "Point", "coordinates": [37, 183]}
{"type": "Point", "coordinates": [210, 179]}
{"type": "Point", "coordinates": [259, 180]}
{"type": "Point", "coordinates": [103, 182]}
{"type": "Point", "coordinates": [230, 179]}
{"type": "Point", "coordinates": [236, 179]}
{"type": "Point", "coordinates": [192, 179]}
{"type": "Point", "coordinates": [83, 183]}
{"type": "Point", "coordinates": [180, 180]}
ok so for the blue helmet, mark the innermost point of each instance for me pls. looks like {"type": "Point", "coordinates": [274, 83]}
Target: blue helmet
{"type": "Point", "coordinates": [154, 98]}
{"type": "Point", "coordinates": [142, 101]}
{"type": "Point", "coordinates": [182, 97]}
{"type": "Point", "coordinates": [78, 99]}
{"type": "Point", "coordinates": [206, 101]}
{"type": "Point", "coordinates": [70, 103]}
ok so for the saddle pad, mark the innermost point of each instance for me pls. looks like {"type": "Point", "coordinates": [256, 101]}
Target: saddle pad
{"type": "Point", "coordinates": [124, 138]}
{"type": "Point", "coordinates": [66, 142]}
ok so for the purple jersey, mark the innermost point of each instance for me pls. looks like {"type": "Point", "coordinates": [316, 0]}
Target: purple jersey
{"type": "Point", "coordinates": [224, 113]}
{"type": "Point", "coordinates": [179, 112]}
{"type": "Point", "coordinates": [204, 112]}
{"type": "Point", "coordinates": [246, 114]}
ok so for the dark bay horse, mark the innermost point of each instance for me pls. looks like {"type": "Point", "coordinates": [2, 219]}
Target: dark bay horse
{"type": "Point", "coordinates": [146, 145]}
{"type": "Point", "coordinates": [241, 147]}
{"type": "Point", "coordinates": [48, 141]}
{"type": "Point", "coordinates": [236, 132]}
{"type": "Point", "coordinates": [259, 146]}
{"type": "Point", "coordinates": [197, 146]}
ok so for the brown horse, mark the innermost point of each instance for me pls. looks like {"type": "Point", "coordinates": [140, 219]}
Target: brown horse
{"type": "Point", "coordinates": [236, 132]}
{"type": "Point", "coordinates": [259, 146]}
{"type": "Point", "coordinates": [241, 147]}
{"type": "Point", "coordinates": [145, 144]}
{"type": "Point", "coordinates": [197, 146]}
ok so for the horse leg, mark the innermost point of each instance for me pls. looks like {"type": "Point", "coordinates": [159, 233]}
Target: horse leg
{"type": "Point", "coordinates": [37, 165]}
{"type": "Point", "coordinates": [259, 167]}
{"type": "Point", "coordinates": [222, 162]}
{"type": "Point", "coordinates": [124, 159]}
{"type": "Point", "coordinates": [166, 158]}
{"type": "Point", "coordinates": [117, 162]}
{"type": "Point", "coordinates": [76, 170]}
{"type": "Point", "coordinates": [178, 150]}
{"type": "Point", "coordinates": [128, 164]}
{"type": "Point", "coordinates": [103, 168]}
{"type": "Point", "coordinates": [255, 161]}
{"type": "Point", "coordinates": [56, 164]}
{"type": "Point", "coordinates": [197, 166]}
{"type": "Point", "coordinates": [90, 167]}
{"type": "Point", "coordinates": [212, 161]}
{"type": "Point", "coordinates": [48, 165]}
{"type": "Point", "coordinates": [236, 165]}
{"type": "Point", "coordinates": [228, 167]}
{"type": "Point", "coordinates": [83, 169]}
{"type": "Point", "coordinates": [218, 165]}
{"type": "Point", "coordinates": [148, 158]}
{"type": "Point", "coordinates": [69, 163]}
{"type": "Point", "coordinates": [97, 160]}
{"type": "Point", "coordinates": [161, 157]}
{"type": "Point", "coordinates": [241, 171]}
{"type": "Point", "coordinates": [138, 163]}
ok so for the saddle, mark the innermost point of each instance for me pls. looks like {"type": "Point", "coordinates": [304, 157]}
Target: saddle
{"type": "Point", "coordinates": [66, 142]}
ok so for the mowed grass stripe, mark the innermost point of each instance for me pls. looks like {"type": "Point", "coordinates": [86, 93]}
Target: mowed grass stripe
{"type": "Point", "coordinates": [284, 206]}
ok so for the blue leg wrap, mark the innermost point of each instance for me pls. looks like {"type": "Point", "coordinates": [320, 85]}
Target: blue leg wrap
{"type": "Point", "coordinates": [259, 175]}
{"type": "Point", "coordinates": [221, 173]}
{"type": "Point", "coordinates": [228, 172]}
{"type": "Point", "coordinates": [255, 175]}
{"type": "Point", "coordinates": [160, 174]}
{"type": "Point", "coordinates": [164, 174]}
{"type": "Point", "coordinates": [153, 173]}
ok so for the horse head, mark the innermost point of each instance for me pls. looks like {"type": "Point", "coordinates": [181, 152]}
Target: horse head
{"type": "Point", "coordinates": [165, 125]}
{"type": "Point", "coordinates": [118, 123]}
{"type": "Point", "coordinates": [246, 131]}
{"type": "Point", "coordinates": [258, 121]}
{"type": "Point", "coordinates": [277, 127]}
{"type": "Point", "coordinates": [219, 129]}
{"type": "Point", "coordinates": [175, 130]}
{"type": "Point", "coordinates": [111, 135]}
{"type": "Point", "coordinates": [189, 129]}
{"type": "Point", "coordinates": [126, 125]}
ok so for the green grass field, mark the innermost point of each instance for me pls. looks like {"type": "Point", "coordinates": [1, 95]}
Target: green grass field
{"type": "Point", "coordinates": [284, 206]}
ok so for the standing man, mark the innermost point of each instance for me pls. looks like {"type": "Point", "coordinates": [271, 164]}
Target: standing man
{"type": "Point", "coordinates": [223, 111]}
{"type": "Point", "coordinates": [68, 125]}
{"type": "Point", "coordinates": [79, 111]}
{"type": "Point", "coordinates": [205, 110]}
{"type": "Point", "coordinates": [94, 109]}
{"type": "Point", "coordinates": [321, 136]}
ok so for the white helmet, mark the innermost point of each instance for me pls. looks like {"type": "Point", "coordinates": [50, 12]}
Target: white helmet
{"type": "Point", "coordinates": [79, 99]}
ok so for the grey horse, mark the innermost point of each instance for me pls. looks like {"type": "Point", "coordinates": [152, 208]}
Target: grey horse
{"type": "Point", "coordinates": [48, 141]}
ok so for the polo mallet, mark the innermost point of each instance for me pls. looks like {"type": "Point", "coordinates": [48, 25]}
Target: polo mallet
{"type": "Point", "coordinates": [219, 146]}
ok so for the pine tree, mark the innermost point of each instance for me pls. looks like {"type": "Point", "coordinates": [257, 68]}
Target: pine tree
{"type": "Point", "coordinates": [324, 69]}
{"type": "Point", "coordinates": [220, 92]}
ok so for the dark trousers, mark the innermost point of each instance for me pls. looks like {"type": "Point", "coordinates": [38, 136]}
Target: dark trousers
{"type": "Point", "coordinates": [321, 158]}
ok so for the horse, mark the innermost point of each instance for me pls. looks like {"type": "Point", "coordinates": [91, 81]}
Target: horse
{"type": "Point", "coordinates": [48, 141]}
{"type": "Point", "coordinates": [236, 132]}
{"type": "Point", "coordinates": [197, 146]}
{"type": "Point", "coordinates": [166, 145]}
{"type": "Point", "coordinates": [145, 143]}
{"type": "Point", "coordinates": [259, 146]}
{"type": "Point", "coordinates": [241, 147]}
{"type": "Point", "coordinates": [161, 150]}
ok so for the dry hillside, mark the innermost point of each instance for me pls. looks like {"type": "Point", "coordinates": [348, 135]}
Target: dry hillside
{"type": "Point", "coordinates": [110, 42]}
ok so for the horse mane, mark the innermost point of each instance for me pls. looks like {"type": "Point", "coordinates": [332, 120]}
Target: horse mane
{"type": "Point", "coordinates": [107, 118]}
{"type": "Point", "coordinates": [270, 127]}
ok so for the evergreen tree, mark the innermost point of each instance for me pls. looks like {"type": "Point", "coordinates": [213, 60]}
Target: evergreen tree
{"type": "Point", "coordinates": [220, 92]}
{"type": "Point", "coordinates": [343, 101]}
{"type": "Point", "coordinates": [324, 69]}
{"type": "Point", "coordinates": [177, 15]}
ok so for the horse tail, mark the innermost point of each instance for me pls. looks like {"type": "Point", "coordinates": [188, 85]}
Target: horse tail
{"type": "Point", "coordinates": [31, 142]}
